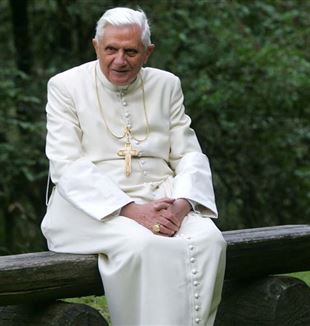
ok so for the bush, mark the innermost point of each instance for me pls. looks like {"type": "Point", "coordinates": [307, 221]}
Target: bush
{"type": "Point", "coordinates": [244, 67]}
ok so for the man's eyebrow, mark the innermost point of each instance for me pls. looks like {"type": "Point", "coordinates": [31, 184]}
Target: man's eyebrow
{"type": "Point", "coordinates": [131, 49]}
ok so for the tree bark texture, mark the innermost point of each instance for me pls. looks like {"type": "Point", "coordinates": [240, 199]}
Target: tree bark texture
{"type": "Point", "coordinates": [270, 301]}
{"type": "Point", "coordinates": [51, 314]}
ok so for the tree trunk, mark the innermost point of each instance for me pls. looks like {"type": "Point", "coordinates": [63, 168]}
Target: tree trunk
{"type": "Point", "coordinates": [64, 29]}
{"type": "Point", "coordinates": [22, 41]}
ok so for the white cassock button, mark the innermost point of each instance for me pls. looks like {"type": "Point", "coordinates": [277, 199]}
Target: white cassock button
{"type": "Point", "coordinates": [194, 271]}
{"type": "Point", "coordinates": [192, 260]}
{"type": "Point", "coordinates": [126, 114]}
{"type": "Point", "coordinates": [196, 296]}
{"type": "Point", "coordinates": [137, 142]}
{"type": "Point", "coordinates": [196, 283]}
{"type": "Point", "coordinates": [142, 162]}
{"type": "Point", "coordinates": [197, 320]}
{"type": "Point", "coordinates": [144, 173]}
{"type": "Point", "coordinates": [124, 103]}
{"type": "Point", "coordinates": [191, 247]}
{"type": "Point", "coordinates": [129, 125]}
{"type": "Point", "coordinates": [197, 307]}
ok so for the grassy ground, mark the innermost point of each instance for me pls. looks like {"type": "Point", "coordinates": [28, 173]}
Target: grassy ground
{"type": "Point", "coordinates": [100, 304]}
{"type": "Point", "coordinates": [304, 276]}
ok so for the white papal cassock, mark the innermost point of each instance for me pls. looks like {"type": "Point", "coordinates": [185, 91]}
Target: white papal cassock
{"type": "Point", "coordinates": [149, 279]}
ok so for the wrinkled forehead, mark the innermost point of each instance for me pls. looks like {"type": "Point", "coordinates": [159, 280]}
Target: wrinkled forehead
{"type": "Point", "coordinates": [133, 29]}
{"type": "Point", "coordinates": [125, 34]}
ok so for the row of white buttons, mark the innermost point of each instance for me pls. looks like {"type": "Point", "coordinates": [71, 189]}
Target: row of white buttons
{"type": "Point", "coordinates": [193, 260]}
{"type": "Point", "coordinates": [124, 104]}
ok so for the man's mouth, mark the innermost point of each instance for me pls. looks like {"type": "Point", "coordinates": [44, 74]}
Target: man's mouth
{"type": "Point", "coordinates": [120, 71]}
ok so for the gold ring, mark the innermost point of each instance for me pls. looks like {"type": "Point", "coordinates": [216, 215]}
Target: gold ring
{"type": "Point", "coordinates": [156, 228]}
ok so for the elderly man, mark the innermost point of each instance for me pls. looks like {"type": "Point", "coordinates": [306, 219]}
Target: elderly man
{"type": "Point", "coordinates": [131, 182]}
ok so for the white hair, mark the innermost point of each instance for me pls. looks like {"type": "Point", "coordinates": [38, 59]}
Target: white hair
{"type": "Point", "coordinates": [124, 17]}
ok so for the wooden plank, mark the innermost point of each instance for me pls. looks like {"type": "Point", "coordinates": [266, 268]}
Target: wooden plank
{"type": "Point", "coordinates": [250, 253]}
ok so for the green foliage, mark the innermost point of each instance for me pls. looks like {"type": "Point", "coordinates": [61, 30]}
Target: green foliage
{"type": "Point", "coordinates": [22, 165]}
{"type": "Point", "coordinates": [245, 71]}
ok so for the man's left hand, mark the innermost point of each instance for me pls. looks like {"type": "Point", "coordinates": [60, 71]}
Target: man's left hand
{"type": "Point", "coordinates": [177, 210]}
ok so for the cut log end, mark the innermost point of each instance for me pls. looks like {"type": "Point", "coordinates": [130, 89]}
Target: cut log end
{"type": "Point", "coordinates": [271, 301]}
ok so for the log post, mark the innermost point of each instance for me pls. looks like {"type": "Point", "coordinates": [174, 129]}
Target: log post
{"type": "Point", "coordinates": [51, 314]}
{"type": "Point", "coordinates": [269, 301]}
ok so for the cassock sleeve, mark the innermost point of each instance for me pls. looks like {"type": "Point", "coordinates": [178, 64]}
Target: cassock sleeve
{"type": "Point", "coordinates": [78, 180]}
{"type": "Point", "coordinates": [193, 179]}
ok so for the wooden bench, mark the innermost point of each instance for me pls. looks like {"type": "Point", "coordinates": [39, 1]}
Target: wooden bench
{"type": "Point", "coordinates": [252, 294]}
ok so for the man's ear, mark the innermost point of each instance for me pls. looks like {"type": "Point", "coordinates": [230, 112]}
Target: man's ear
{"type": "Point", "coordinates": [96, 46]}
{"type": "Point", "coordinates": [149, 51]}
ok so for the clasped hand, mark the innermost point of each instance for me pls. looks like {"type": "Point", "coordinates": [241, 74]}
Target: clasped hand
{"type": "Point", "coordinates": [167, 212]}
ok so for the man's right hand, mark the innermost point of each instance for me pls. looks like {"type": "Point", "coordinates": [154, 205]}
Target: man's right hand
{"type": "Point", "coordinates": [150, 214]}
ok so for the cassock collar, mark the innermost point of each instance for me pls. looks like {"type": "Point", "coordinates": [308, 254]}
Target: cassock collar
{"type": "Point", "coordinates": [106, 83]}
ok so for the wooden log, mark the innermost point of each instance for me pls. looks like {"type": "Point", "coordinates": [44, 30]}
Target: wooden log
{"type": "Point", "coordinates": [267, 250]}
{"type": "Point", "coordinates": [270, 301]}
{"type": "Point", "coordinates": [45, 276]}
{"type": "Point", "coordinates": [250, 253]}
{"type": "Point", "coordinates": [51, 314]}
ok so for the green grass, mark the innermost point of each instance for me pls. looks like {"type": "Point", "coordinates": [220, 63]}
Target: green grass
{"type": "Point", "coordinates": [100, 303]}
{"type": "Point", "coordinates": [304, 276]}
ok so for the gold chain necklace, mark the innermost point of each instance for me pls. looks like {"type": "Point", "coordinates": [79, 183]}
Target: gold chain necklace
{"type": "Point", "coordinates": [127, 152]}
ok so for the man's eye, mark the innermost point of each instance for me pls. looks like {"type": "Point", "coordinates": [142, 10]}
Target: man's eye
{"type": "Point", "coordinates": [131, 52]}
{"type": "Point", "coordinates": [110, 50]}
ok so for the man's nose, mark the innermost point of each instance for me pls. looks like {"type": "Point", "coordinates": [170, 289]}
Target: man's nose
{"type": "Point", "coordinates": [120, 58]}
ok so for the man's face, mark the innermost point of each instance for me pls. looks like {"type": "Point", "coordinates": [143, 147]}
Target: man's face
{"type": "Point", "coordinates": [121, 53]}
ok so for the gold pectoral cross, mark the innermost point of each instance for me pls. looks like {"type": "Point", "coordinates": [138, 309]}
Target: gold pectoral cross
{"type": "Point", "coordinates": [128, 152]}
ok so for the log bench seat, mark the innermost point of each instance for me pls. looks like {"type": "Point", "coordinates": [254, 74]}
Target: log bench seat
{"type": "Point", "coordinates": [253, 294]}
